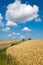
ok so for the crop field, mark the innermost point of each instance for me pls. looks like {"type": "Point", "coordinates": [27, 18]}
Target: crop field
{"type": "Point", "coordinates": [27, 53]}
{"type": "Point", "coordinates": [9, 42]}
{"type": "Point", "coordinates": [4, 59]}
{"type": "Point", "coordinates": [6, 44]}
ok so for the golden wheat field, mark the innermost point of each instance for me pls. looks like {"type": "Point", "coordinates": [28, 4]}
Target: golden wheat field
{"type": "Point", "coordinates": [9, 42]}
{"type": "Point", "coordinates": [27, 53]}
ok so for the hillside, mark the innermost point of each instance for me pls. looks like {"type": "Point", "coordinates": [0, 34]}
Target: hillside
{"type": "Point", "coordinates": [9, 41]}
{"type": "Point", "coordinates": [27, 53]}
{"type": "Point", "coordinates": [5, 44]}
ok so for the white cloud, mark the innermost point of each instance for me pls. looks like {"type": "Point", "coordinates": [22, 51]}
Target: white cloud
{"type": "Point", "coordinates": [18, 33]}
{"type": "Point", "coordinates": [38, 20]}
{"type": "Point", "coordinates": [6, 29]}
{"type": "Point", "coordinates": [9, 35]}
{"type": "Point", "coordinates": [1, 24]}
{"type": "Point", "coordinates": [11, 23]}
{"type": "Point", "coordinates": [15, 33]}
{"type": "Point", "coordinates": [26, 29]}
{"type": "Point", "coordinates": [18, 12]}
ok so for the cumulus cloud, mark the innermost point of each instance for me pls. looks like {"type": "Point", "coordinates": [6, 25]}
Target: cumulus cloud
{"type": "Point", "coordinates": [1, 24]}
{"type": "Point", "coordinates": [26, 29]}
{"type": "Point", "coordinates": [6, 29]}
{"type": "Point", "coordinates": [11, 23]}
{"type": "Point", "coordinates": [9, 35]}
{"type": "Point", "coordinates": [19, 12]}
{"type": "Point", "coordinates": [15, 33]}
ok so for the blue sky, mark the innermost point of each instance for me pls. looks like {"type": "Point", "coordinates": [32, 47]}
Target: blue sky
{"type": "Point", "coordinates": [21, 19]}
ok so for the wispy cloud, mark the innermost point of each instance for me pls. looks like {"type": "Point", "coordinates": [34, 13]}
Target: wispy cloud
{"type": "Point", "coordinates": [22, 37]}
{"type": "Point", "coordinates": [38, 19]}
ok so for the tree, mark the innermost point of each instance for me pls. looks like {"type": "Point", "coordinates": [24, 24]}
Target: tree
{"type": "Point", "coordinates": [29, 39]}
{"type": "Point", "coordinates": [23, 39]}
{"type": "Point", "coordinates": [12, 44]}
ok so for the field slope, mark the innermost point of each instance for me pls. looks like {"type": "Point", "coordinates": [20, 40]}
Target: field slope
{"type": "Point", "coordinates": [27, 53]}
{"type": "Point", "coordinates": [6, 44]}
